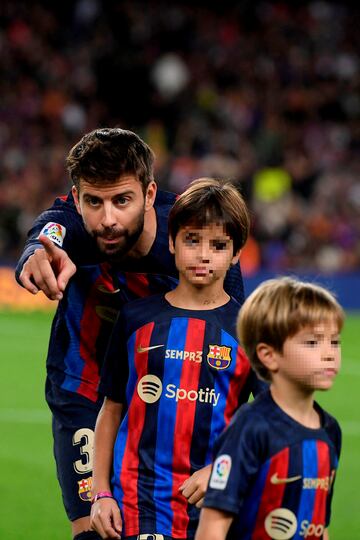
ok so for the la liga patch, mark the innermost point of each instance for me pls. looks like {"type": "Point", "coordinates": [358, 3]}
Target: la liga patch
{"type": "Point", "coordinates": [220, 472]}
{"type": "Point", "coordinates": [55, 232]}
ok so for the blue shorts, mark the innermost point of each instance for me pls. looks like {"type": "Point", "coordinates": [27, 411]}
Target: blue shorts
{"type": "Point", "coordinates": [73, 425]}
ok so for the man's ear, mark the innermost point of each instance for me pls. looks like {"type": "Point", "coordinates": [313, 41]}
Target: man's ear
{"type": "Point", "coordinates": [171, 246]}
{"type": "Point", "coordinates": [235, 258]}
{"type": "Point", "coordinates": [75, 194]}
{"type": "Point", "coordinates": [267, 356]}
{"type": "Point", "coordinates": [150, 195]}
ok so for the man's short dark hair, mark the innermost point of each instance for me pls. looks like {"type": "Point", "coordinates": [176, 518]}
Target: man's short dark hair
{"type": "Point", "coordinates": [103, 155]}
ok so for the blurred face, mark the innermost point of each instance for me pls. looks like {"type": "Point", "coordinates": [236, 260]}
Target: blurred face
{"type": "Point", "coordinates": [114, 214]}
{"type": "Point", "coordinates": [203, 255]}
{"type": "Point", "coordinates": [312, 357]}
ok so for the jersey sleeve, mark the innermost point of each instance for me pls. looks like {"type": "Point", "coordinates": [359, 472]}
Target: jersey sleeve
{"type": "Point", "coordinates": [238, 456]}
{"type": "Point", "coordinates": [64, 226]}
{"type": "Point", "coordinates": [115, 370]}
{"type": "Point", "coordinates": [233, 283]}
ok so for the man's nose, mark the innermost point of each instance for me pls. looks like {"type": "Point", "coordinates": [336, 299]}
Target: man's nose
{"type": "Point", "coordinates": [108, 217]}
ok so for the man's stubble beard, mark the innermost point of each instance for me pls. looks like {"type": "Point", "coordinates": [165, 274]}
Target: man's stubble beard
{"type": "Point", "coordinates": [129, 239]}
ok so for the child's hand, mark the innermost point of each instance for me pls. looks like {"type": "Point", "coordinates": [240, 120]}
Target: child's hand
{"type": "Point", "coordinates": [105, 518]}
{"type": "Point", "coordinates": [194, 487]}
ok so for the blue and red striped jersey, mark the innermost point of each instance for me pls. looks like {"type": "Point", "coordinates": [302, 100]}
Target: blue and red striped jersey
{"type": "Point", "coordinates": [84, 321]}
{"type": "Point", "coordinates": [184, 377]}
{"type": "Point", "coordinates": [84, 318]}
{"type": "Point", "coordinates": [275, 475]}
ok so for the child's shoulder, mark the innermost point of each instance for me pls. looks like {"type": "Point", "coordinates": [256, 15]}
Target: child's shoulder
{"type": "Point", "coordinates": [226, 315]}
{"type": "Point", "coordinates": [141, 312]}
{"type": "Point", "coordinates": [254, 415]}
{"type": "Point", "coordinates": [145, 305]}
{"type": "Point", "coordinates": [330, 425]}
{"type": "Point", "coordinates": [249, 428]}
{"type": "Point", "coordinates": [327, 420]}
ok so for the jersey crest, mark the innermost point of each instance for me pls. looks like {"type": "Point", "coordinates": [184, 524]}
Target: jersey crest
{"type": "Point", "coordinates": [219, 356]}
{"type": "Point", "coordinates": [84, 488]}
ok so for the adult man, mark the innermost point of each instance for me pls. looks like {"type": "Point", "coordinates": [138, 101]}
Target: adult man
{"type": "Point", "coordinates": [114, 229]}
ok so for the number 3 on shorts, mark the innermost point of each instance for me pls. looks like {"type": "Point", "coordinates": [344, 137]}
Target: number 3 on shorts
{"type": "Point", "coordinates": [85, 438]}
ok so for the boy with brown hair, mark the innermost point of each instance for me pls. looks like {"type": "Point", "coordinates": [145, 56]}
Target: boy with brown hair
{"type": "Point", "coordinates": [174, 361]}
{"type": "Point", "coordinates": [273, 475]}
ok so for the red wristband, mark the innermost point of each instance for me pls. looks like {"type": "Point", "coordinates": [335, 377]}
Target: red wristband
{"type": "Point", "coordinates": [102, 495]}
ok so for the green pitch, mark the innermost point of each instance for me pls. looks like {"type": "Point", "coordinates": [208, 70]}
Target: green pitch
{"type": "Point", "coordinates": [31, 506]}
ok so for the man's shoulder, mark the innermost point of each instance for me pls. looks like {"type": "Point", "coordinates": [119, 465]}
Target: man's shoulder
{"type": "Point", "coordinates": [165, 198]}
{"type": "Point", "coordinates": [164, 202]}
{"type": "Point", "coordinates": [64, 202]}
{"type": "Point", "coordinates": [161, 259]}
{"type": "Point", "coordinates": [63, 210]}
{"type": "Point", "coordinates": [60, 222]}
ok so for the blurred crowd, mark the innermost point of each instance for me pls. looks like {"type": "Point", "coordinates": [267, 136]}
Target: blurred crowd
{"type": "Point", "coordinates": [266, 94]}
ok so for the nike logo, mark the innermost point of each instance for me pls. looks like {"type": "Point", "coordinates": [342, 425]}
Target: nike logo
{"type": "Point", "coordinates": [141, 349]}
{"type": "Point", "coordinates": [276, 480]}
{"type": "Point", "coordinates": [103, 289]}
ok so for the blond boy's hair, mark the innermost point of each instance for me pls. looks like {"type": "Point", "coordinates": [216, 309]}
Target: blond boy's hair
{"type": "Point", "coordinates": [277, 310]}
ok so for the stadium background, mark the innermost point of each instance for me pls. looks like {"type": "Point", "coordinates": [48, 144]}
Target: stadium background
{"type": "Point", "coordinates": [264, 93]}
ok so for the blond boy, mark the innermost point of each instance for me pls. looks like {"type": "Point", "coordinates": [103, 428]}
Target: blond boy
{"type": "Point", "coordinates": [274, 469]}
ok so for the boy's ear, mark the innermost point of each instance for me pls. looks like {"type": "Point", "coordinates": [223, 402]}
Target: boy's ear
{"type": "Point", "coordinates": [171, 246]}
{"type": "Point", "coordinates": [235, 258]}
{"type": "Point", "coordinates": [75, 194]}
{"type": "Point", "coordinates": [267, 355]}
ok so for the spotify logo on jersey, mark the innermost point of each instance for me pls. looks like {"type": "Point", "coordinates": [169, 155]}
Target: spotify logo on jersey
{"type": "Point", "coordinates": [281, 524]}
{"type": "Point", "coordinates": [149, 388]}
